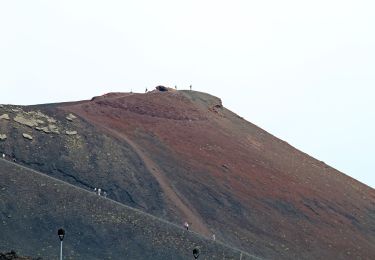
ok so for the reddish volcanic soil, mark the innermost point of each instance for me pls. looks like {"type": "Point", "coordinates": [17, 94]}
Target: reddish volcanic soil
{"type": "Point", "coordinates": [229, 177]}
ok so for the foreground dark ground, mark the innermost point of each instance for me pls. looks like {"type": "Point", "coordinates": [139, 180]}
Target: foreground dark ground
{"type": "Point", "coordinates": [14, 256]}
{"type": "Point", "coordinates": [180, 155]}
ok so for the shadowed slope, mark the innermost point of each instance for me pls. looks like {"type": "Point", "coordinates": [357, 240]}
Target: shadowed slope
{"type": "Point", "coordinates": [96, 228]}
{"type": "Point", "coordinates": [88, 158]}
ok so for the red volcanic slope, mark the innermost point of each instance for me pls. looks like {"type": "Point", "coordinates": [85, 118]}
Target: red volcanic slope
{"type": "Point", "coordinates": [231, 178]}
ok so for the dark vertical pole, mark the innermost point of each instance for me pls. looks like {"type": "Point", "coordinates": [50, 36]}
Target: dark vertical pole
{"type": "Point", "coordinates": [61, 250]}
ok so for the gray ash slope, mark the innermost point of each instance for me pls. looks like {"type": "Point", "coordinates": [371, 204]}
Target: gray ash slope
{"type": "Point", "coordinates": [96, 227]}
{"type": "Point", "coordinates": [72, 150]}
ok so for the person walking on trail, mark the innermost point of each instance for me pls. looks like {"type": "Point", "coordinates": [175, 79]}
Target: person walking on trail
{"type": "Point", "coordinates": [213, 237]}
{"type": "Point", "coordinates": [3, 156]}
{"type": "Point", "coordinates": [186, 225]}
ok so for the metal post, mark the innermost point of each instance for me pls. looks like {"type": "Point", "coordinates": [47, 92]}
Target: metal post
{"type": "Point", "coordinates": [61, 250]}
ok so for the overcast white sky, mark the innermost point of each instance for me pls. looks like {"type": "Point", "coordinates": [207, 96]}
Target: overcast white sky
{"type": "Point", "coordinates": [302, 70]}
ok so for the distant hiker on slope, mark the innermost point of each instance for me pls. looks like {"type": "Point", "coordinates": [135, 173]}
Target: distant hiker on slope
{"type": "Point", "coordinates": [186, 225]}
{"type": "Point", "coordinates": [3, 156]}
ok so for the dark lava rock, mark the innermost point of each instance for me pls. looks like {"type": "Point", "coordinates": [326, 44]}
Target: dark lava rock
{"type": "Point", "coordinates": [161, 88]}
{"type": "Point", "coordinates": [13, 256]}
